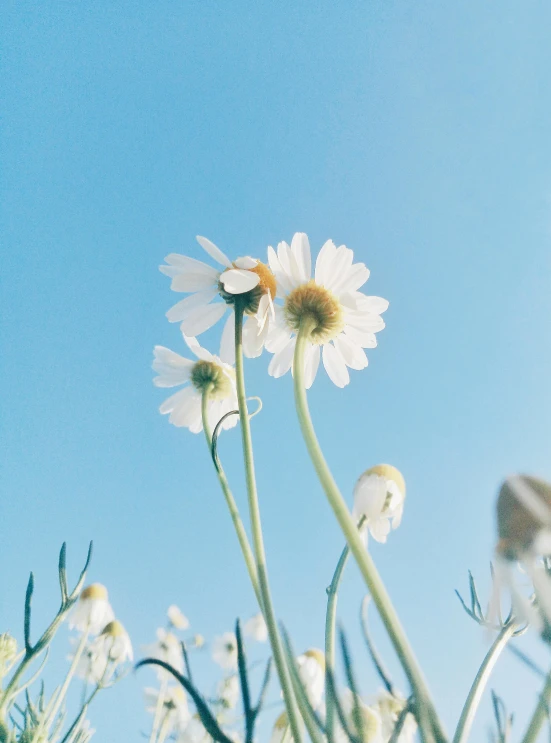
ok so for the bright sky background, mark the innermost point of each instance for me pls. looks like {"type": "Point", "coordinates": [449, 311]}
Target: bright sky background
{"type": "Point", "coordinates": [415, 133]}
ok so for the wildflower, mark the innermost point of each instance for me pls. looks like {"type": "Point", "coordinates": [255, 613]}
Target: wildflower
{"type": "Point", "coordinates": [280, 729]}
{"type": "Point", "coordinates": [176, 714]}
{"type": "Point", "coordinates": [246, 278]}
{"type": "Point", "coordinates": [168, 649]}
{"type": "Point", "coordinates": [8, 652]}
{"type": "Point", "coordinates": [524, 537]}
{"type": "Point", "coordinates": [341, 320]}
{"type": "Point", "coordinates": [311, 668]}
{"type": "Point", "coordinates": [379, 497]}
{"type": "Point", "coordinates": [228, 691]}
{"type": "Point", "coordinates": [370, 720]}
{"type": "Point", "coordinates": [177, 618]}
{"type": "Point", "coordinates": [224, 651]}
{"type": "Point", "coordinates": [255, 627]}
{"type": "Point", "coordinates": [208, 374]}
{"type": "Point", "coordinates": [105, 654]}
{"type": "Point", "coordinates": [389, 707]}
{"type": "Point", "coordinates": [93, 610]}
{"type": "Point", "coordinates": [194, 732]}
{"type": "Point", "coordinates": [198, 641]}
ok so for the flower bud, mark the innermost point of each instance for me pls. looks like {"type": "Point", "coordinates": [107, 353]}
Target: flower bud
{"type": "Point", "coordinates": [8, 651]}
{"type": "Point", "coordinates": [379, 496]}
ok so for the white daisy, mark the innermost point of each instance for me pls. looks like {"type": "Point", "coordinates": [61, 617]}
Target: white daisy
{"type": "Point", "coordinates": [280, 731]}
{"type": "Point", "coordinates": [224, 651]}
{"type": "Point", "coordinates": [379, 496]}
{"type": "Point", "coordinates": [342, 320]}
{"type": "Point", "coordinates": [311, 669]}
{"type": "Point", "coordinates": [105, 654]}
{"type": "Point", "coordinates": [389, 708]}
{"type": "Point", "coordinates": [92, 611]}
{"type": "Point", "coordinates": [370, 720]}
{"type": "Point", "coordinates": [209, 373]}
{"type": "Point", "coordinates": [168, 649]}
{"type": "Point", "coordinates": [228, 691]}
{"type": "Point", "coordinates": [176, 714]}
{"type": "Point", "coordinates": [246, 278]}
{"type": "Point", "coordinates": [255, 627]}
{"type": "Point", "coordinates": [177, 618]}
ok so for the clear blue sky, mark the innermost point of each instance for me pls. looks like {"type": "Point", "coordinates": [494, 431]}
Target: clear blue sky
{"type": "Point", "coordinates": [417, 134]}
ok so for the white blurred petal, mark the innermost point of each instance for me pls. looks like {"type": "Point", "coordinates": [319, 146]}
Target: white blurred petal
{"type": "Point", "coordinates": [182, 308]}
{"type": "Point", "coordinates": [202, 318]}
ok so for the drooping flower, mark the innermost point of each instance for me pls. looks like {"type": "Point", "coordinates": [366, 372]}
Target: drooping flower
{"type": "Point", "coordinates": [168, 649]}
{"type": "Point", "coordinates": [389, 707]}
{"type": "Point", "coordinates": [280, 731]}
{"type": "Point", "coordinates": [208, 374]}
{"type": "Point", "coordinates": [177, 618]}
{"type": "Point", "coordinates": [524, 537]}
{"type": "Point", "coordinates": [379, 496]}
{"type": "Point", "coordinates": [246, 278]}
{"type": "Point", "coordinates": [255, 628]}
{"type": "Point", "coordinates": [311, 669]}
{"type": "Point", "coordinates": [228, 691]}
{"type": "Point", "coordinates": [368, 728]}
{"type": "Point", "coordinates": [341, 321]}
{"type": "Point", "coordinates": [175, 710]}
{"type": "Point", "coordinates": [92, 611]}
{"type": "Point", "coordinates": [224, 651]}
{"type": "Point", "coordinates": [105, 654]}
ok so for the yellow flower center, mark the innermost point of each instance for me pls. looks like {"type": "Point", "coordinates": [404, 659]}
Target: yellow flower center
{"type": "Point", "coordinates": [114, 629]}
{"type": "Point", "coordinates": [316, 304]}
{"type": "Point", "coordinates": [206, 376]}
{"type": "Point", "coordinates": [317, 655]}
{"type": "Point", "coordinates": [94, 592]}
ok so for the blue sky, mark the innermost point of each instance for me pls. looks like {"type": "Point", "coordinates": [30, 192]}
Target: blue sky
{"type": "Point", "coordinates": [415, 133]}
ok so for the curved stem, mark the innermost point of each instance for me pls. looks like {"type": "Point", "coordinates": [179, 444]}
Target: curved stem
{"type": "Point", "coordinates": [258, 539]}
{"type": "Point", "coordinates": [541, 713]}
{"type": "Point", "coordinates": [232, 506]}
{"type": "Point", "coordinates": [479, 684]}
{"type": "Point", "coordinates": [429, 723]}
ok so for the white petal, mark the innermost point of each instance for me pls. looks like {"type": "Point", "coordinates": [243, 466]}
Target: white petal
{"type": "Point", "coordinates": [182, 308]}
{"type": "Point", "coordinates": [202, 318]}
{"type": "Point", "coordinates": [289, 264]}
{"type": "Point", "coordinates": [194, 345]}
{"type": "Point", "coordinates": [311, 364]}
{"type": "Point", "coordinates": [227, 342]}
{"type": "Point", "coordinates": [335, 366]}
{"type": "Point", "coordinates": [279, 333]}
{"type": "Point", "coordinates": [365, 340]}
{"type": "Point", "coordinates": [379, 529]}
{"type": "Point", "coordinates": [282, 361]}
{"type": "Point", "coordinates": [246, 262]}
{"type": "Point", "coordinates": [339, 268]}
{"type": "Point", "coordinates": [213, 251]}
{"type": "Point", "coordinates": [239, 281]}
{"type": "Point", "coordinates": [181, 406]}
{"type": "Point", "coordinates": [355, 277]}
{"type": "Point", "coordinates": [376, 305]}
{"type": "Point", "coordinates": [263, 310]}
{"type": "Point", "coordinates": [172, 368]}
{"type": "Point", "coordinates": [194, 282]}
{"type": "Point", "coordinates": [364, 321]}
{"type": "Point", "coordinates": [254, 337]}
{"type": "Point", "coordinates": [352, 353]}
{"type": "Point", "coordinates": [301, 250]}
{"type": "Point", "coordinates": [284, 285]}
{"type": "Point", "coordinates": [324, 259]}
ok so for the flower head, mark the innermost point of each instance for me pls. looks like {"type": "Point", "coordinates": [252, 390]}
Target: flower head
{"type": "Point", "coordinates": [339, 320]}
{"type": "Point", "coordinates": [105, 654]}
{"type": "Point", "coordinates": [8, 651]}
{"type": "Point", "coordinates": [246, 278]}
{"type": "Point", "coordinates": [370, 720]}
{"type": "Point", "coordinates": [177, 618]}
{"type": "Point", "coordinates": [280, 729]}
{"type": "Point", "coordinates": [255, 627]}
{"type": "Point", "coordinates": [389, 707]}
{"type": "Point", "coordinates": [379, 496]}
{"type": "Point", "coordinates": [93, 610]}
{"type": "Point", "coordinates": [176, 714]}
{"type": "Point", "coordinates": [224, 651]}
{"type": "Point", "coordinates": [168, 649]}
{"type": "Point", "coordinates": [311, 669]}
{"type": "Point", "coordinates": [209, 374]}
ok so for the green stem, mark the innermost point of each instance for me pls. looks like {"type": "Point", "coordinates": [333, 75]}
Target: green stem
{"type": "Point", "coordinates": [330, 621]}
{"type": "Point", "coordinates": [429, 723]}
{"type": "Point", "coordinates": [232, 505]}
{"type": "Point", "coordinates": [479, 684]}
{"type": "Point", "coordinates": [256, 530]}
{"type": "Point", "coordinates": [541, 713]}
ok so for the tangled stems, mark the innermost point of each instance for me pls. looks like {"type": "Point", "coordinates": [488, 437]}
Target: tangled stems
{"type": "Point", "coordinates": [256, 529]}
{"type": "Point", "coordinates": [479, 684]}
{"type": "Point", "coordinates": [230, 501]}
{"type": "Point", "coordinates": [429, 724]}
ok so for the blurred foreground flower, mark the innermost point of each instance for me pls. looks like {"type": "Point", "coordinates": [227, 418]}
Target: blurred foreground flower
{"type": "Point", "coordinates": [174, 710]}
{"type": "Point", "coordinates": [93, 610]}
{"type": "Point", "coordinates": [311, 668]}
{"type": "Point", "coordinates": [256, 629]}
{"type": "Point", "coordinates": [224, 651]}
{"type": "Point", "coordinates": [344, 321]}
{"type": "Point", "coordinates": [379, 496]}
{"type": "Point", "coordinates": [177, 618]}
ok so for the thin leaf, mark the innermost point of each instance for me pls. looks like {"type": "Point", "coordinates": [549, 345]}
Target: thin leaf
{"type": "Point", "coordinates": [263, 688]}
{"type": "Point", "coordinates": [62, 570]}
{"type": "Point", "coordinates": [27, 621]}
{"type": "Point", "coordinates": [244, 683]}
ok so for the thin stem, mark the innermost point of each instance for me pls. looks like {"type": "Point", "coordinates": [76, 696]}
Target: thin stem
{"type": "Point", "coordinates": [541, 713]}
{"type": "Point", "coordinates": [256, 529]}
{"type": "Point", "coordinates": [159, 710]}
{"type": "Point", "coordinates": [330, 621]}
{"type": "Point", "coordinates": [479, 684]}
{"type": "Point", "coordinates": [232, 505]}
{"type": "Point", "coordinates": [429, 723]}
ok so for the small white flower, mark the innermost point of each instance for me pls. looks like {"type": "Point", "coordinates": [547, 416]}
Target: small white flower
{"type": "Point", "coordinates": [176, 714]}
{"type": "Point", "coordinates": [228, 691]}
{"type": "Point", "coordinates": [370, 720]}
{"type": "Point", "coordinates": [105, 654]}
{"type": "Point", "coordinates": [194, 732]}
{"type": "Point", "coordinates": [255, 627]}
{"type": "Point", "coordinates": [208, 373]}
{"type": "Point", "coordinates": [343, 320]}
{"type": "Point", "coordinates": [246, 277]}
{"type": "Point", "coordinates": [311, 669]}
{"type": "Point", "coordinates": [92, 611]}
{"type": "Point", "coordinates": [177, 618]}
{"type": "Point", "coordinates": [168, 649]}
{"type": "Point", "coordinates": [389, 708]}
{"type": "Point", "coordinates": [224, 651]}
{"type": "Point", "coordinates": [379, 496]}
{"type": "Point", "coordinates": [280, 731]}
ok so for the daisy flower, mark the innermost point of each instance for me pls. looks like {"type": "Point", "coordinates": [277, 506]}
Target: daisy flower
{"type": "Point", "coordinates": [379, 496]}
{"type": "Point", "coordinates": [341, 321]}
{"type": "Point", "coordinates": [370, 720]}
{"type": "Point", "coordinates": [224, 651]}
{"type": "Point", "coordinates": [105, 653]}
{"type": "Point", "coordinates": [256, 629]}
{"type": "Point", "coordinates": [93, 610]}
{"type": "Point", "coordinates": [246, 278]}
{"type": "Point", "coordinates": [209, 373]}
{"type": "Point", "coordinates": [311, 670]}
{"type": "Point", "coordinates": [524, 538]}
{"type": "Point", "coordinates": [176, 714]}
{"type": "Point", "coordinates": [168, 649]}
{"type": "Point", "coordinates": [177, 618]}
{"type": "Point", "coordinates": [389, 707]}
